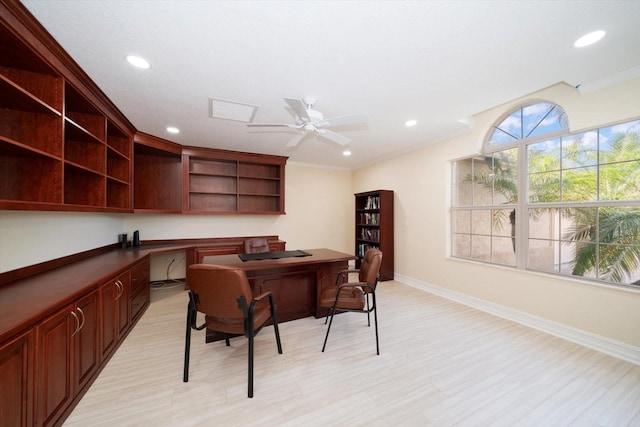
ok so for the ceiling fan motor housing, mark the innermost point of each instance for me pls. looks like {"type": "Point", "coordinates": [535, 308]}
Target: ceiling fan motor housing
{"type": "Point", "coordinates": [315, 116]}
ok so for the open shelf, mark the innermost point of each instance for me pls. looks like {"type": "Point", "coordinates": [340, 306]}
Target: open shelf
{"type": "Point", "coordinates": [118, 167]}
{"type": "Point", "coordinates": [157, 175]}
{"type": "Point", "coordinates": [269, 187]}
{"type": "Point", "coordinates": [209, 202]}
{"type": "Point", "coordinates": [42, 132]}
{"type": "Point", "coordinates": [83, 187]}
{"type": "Point", "coordinates": [258, 171]}
{"type": "Point", "coordinates": [213, 167]}
{"type": "Point", "coordinates": [84, 114]}
{"type": "Point", "coordinates": [118, 141]}
{"type": "Point", "coordinates": [118, 194]}
{"type": "Point", "coordinates": [258, 203]}
{"type": "Point", "coordinates": [54, 133]}
{"type": "Point", "coordinates": [83, 148]}
{"type": "Point", "coordinates": [225, 181]}
{"type": "Point", "coordinates": [28, 176]}
{"type": "Point", "coordinates": [15, 97]}
{"type": "Point", "coordinates": [212, 184]}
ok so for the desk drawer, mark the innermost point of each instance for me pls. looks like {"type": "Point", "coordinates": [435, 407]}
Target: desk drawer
{"type": "Point", "coordinates": [140, 276]}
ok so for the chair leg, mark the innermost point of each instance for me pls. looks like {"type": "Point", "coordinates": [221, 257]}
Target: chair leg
{"type": "Point", "coordinates": [328, 328]}
{"type": "Point", "coordinates": [250, 381]}
{"type": "Point", "coordinates": [375, 320]}
{"type": "Point", "coordinates": [329, 312]}
{"type": "Point", "coordinates": [187, 348]}
{"type": "Point", "coordinates": [226, 340]}
{"type": "Point", "coordinates": [276, 330]}
{"type": "Point", "coordinates": [368, 312]}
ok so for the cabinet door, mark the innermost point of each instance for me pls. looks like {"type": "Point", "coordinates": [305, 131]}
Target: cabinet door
{"type": "Point", "coordinates": [67, 356]}
{"type": "Point", "coordinates": [85, 340]}
{"type": "Point", "coordinates": [16, 371]}
{"type": "Point", "coordinates": [109, 336]}
{"type": "Point", "coordinates": [55, 358]}
{"type": "Point", "coordinates": [123, 303]}
{"type": "Point", "coordinates": [114, 311]}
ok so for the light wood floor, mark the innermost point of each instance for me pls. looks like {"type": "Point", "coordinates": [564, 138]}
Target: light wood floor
{"type": "Point", "coordinates": [440, 364]}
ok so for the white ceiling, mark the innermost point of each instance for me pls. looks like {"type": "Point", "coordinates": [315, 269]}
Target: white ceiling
{"type": "Point", "coordinates": [433, 61]}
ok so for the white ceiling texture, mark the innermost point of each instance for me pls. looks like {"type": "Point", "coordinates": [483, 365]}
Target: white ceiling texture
{"type": "Point", "coordinates": [433, 61]}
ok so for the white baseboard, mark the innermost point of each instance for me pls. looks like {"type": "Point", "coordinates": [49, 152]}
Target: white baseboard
{"type": "Point", "coordinates": [596, 342]}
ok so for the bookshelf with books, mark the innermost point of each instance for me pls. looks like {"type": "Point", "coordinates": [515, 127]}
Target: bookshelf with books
{"type": "Point", "coordinates": [374, 228]}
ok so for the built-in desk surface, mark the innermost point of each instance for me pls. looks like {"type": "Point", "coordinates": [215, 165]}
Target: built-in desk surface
{"type": "Point", "coordinates": [318, 256]}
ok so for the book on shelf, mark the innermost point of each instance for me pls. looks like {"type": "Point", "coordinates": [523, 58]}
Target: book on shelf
{"type": "Point", "coordinates": [364, 247]}
{"type": "Point", "coordinates": [370, 218]}
{"type": "Point", "coordinates": [373, 202]}
{"type": "Point", "coordinates": [372, 234]}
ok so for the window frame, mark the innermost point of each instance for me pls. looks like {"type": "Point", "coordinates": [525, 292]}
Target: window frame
{"type": "Point", "coordinates": [524, 206]}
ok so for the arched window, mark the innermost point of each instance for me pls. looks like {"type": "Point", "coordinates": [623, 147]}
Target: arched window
{"type": "Point", "coordinates": [580, 212]}
{"type": "Point", "coordinates": [528, 122]}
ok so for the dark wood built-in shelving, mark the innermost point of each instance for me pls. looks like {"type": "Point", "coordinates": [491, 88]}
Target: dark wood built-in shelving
{"type": "Point", "coordinates": [63, 144]}
{"type": "Point", "coordinates": [157, 175]}
{"type": "Point", "coordinates": [219, 181]}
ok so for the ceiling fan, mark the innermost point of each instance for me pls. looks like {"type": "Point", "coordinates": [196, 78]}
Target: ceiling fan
{"type": "Point", "coordinates": [310, 120]}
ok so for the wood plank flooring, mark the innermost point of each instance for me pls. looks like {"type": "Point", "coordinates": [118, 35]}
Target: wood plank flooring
{"type": "Point", "coordinates": [441, 364]}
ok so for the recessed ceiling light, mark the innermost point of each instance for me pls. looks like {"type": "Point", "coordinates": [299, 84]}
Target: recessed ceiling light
{"type": "Point", "coordinates": [136, 61]}
{"type": "Point", "coordinates": [589, 39]}
{"type": "Point", "coordinates": [410, 123]}
{"type": "Point", "coordinates": [172, 129]}
{"type": "Point", "coordinates": [346, 153]}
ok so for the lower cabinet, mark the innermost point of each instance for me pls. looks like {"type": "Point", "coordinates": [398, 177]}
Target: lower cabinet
{"type": "Point", "coordinates": [45, 368]}
{"type": "Point", "coordinates": [16, 371]}
{"type": "Point", "coordinates": [67, 356]}
{"type": "Point", "coordinates": [114, 311]}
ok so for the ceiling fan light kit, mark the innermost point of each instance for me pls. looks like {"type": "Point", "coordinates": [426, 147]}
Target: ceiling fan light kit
{"type": "Point", "coordinates": [308, 120]}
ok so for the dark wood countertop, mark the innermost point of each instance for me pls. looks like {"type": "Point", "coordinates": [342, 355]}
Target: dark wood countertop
{"type": "Point", "coordinates": [317, 256]}
{"type": "Point", "coordinates": [26, 301]}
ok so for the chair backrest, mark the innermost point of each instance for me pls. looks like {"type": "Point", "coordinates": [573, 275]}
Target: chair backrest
{"type": "Point", "coordinates": [370, 267]}
{"type": "Point", "coordinates": [218, 289]}
{"type": "Point", "coordinates": [256, 246]}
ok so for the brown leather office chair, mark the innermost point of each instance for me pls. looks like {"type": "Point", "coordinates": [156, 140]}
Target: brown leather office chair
{"type": "Point", "coordinates": [354, 296]}
{"type": "Point", "coordinates": [224, 296]}
{"type": "Point", "coordinates": [256, 246]}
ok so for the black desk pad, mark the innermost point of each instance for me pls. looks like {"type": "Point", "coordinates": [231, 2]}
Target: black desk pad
{"type": "Point", "coordinates": [272, 255]}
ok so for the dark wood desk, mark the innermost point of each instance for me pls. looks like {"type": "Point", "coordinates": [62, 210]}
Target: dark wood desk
{"type": "Point", "coordinates": [295, 282]}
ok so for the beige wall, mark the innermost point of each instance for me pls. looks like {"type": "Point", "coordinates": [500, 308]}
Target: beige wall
{"type": "Point", "coordinates": [421, 181]}
{"type": "Point", "coordinates": [319, 206]}
{"type": "Point", "coordinates": [319, 213]}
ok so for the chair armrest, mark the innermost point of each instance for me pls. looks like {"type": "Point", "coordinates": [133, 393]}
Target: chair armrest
{"type": "Point", "coordinates": [345, 272]}
{"type": "Point", "coordinates": [352, 285]}
{"type": "Point", "coordinates": [262, 296]}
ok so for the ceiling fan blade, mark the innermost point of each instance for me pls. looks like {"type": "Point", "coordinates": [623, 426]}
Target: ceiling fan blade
{"type": "Point", "coordinates": [296, 139]}
{"type": "Point", "coordinates": [354, 119]}
{"type": "Point", "coordinates": [332, 136]}
{"type": "Point", "coordinates": [281, 125]}
{"type": "Point", "coordinates": [298, 107]}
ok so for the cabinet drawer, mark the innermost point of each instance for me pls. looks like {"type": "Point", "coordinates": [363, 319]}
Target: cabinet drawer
{"type": "Point", "coordinates": [140, 276]}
